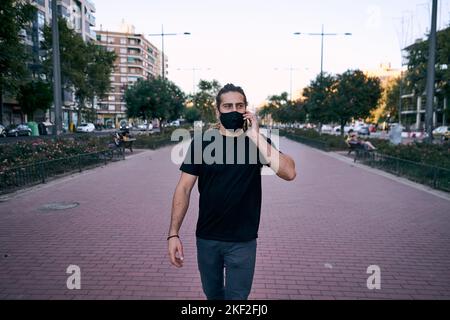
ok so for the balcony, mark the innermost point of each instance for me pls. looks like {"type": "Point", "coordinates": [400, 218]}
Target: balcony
{"type": "Point", "coordinates": [91, 19]}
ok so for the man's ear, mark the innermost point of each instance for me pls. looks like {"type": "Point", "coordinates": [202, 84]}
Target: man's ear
{"type": "Point", "coordinates": [217, 114]}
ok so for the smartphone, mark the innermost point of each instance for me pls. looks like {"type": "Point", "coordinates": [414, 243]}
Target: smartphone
{"type": "Point", "coordinates": [246, 125]}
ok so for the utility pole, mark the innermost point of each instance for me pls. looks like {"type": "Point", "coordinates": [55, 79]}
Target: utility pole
{"type": "Point", "coordinates": [322, 34]}
{"type": "Point", "coordinates": [431, 74]}
{"type": "Point", "coordinates": [162, 34]}
{"type": "Point", "coordinates": [57, 93]}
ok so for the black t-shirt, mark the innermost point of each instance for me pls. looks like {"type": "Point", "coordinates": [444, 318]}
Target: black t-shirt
{"type": "Point", "coordinates": [230, 189]}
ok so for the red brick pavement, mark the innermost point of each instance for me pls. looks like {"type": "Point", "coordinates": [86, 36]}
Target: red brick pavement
{"type": "Point", "coordinates": [318, 235]}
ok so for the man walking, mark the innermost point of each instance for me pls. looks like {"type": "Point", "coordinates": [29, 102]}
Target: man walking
{"type": "Point", "coordinates": [230, 198]}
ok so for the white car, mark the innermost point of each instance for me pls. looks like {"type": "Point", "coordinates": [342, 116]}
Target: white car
{"type": "Point", "coordinates": [143, 127]}
{"type": "Point", "coordinates": [86, 127]}
{"type": "Point", "coordinates": [327, 128]}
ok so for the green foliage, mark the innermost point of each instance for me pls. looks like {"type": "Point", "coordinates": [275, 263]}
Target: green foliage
{"type": "Point", "coordinates": [14, 16]}
{"type": "Point", "coordinates": [319, 98]}
{"type": "Point", "coordinates": [28, 152]}
{"type": "Point", "coordinates": [191, 114]}
{"type": "Point", "coordinates": [355, 95]}
{"type": "Point", "coordinates": [417, 56]}
{"type": "Point", "coordinates": [204, 100]}
{"type": "Point", "coordinates": [35, 95]}
{"type": "Point", "coordinates": [154, 98]}
{"type": "Point", "coordinates": [283, 110]}
{"type": "Point", "coordinates": [85, 67]}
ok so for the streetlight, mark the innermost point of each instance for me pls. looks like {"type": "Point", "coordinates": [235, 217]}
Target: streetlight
{"type": "Point", "coordinates": [193, 75]}
{"type": "Point", "coordinates": [291, 69]}
{"type": "Point", "coordinates": [57, 91]}
{"type": "Point", "coordinates": [322, 34]}
{"type": "Point", "coordinates": [162, 34]}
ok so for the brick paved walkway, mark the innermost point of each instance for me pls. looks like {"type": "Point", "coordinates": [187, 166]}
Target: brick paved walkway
{"type": "Point", "coordinates": [318, 235]}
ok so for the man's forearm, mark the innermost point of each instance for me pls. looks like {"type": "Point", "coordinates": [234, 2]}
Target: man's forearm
{"type": "Point", "coordinates": [180, 205]}
{"type": "Point", "coordinates": [281, 164]}
{"type": "Point", "coordinates": [270, 154]}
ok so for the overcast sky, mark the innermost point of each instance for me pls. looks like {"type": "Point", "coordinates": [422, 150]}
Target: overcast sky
{"type": "Point", "coordinates": [245, 41]}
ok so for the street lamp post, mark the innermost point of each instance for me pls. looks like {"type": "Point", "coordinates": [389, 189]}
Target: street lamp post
{"type": "Point", "coordinates": [57, 93]}
{"type": "Point", "coordinates": [431, 73]}
{"type": "Point", "coordinates": [162, 34]}
{"type": "Point", "coordinates": [291, 69]}
{"type": "Point", "coordinates": [193, 75]}
{"type": "Point", "coordinates": [322, 35]}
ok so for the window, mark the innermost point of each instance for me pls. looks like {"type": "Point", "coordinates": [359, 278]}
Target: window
{"type": "Point", "coordinates": [123, 70]}
{"type": "Point", "coordinates": [123, 50]}
{"type": "Point", "coordinates": [111, 98]}
{"type": "Point", "coordinates": [112, 107]}
{"type": "Point", "coordinates": [110, 49]}
{"type": "Point", "coordinates": [103, 38]}
{"type": "Point", "coordinates": [132, 70]}
{"type": "Point", "coordinates": [41, 19]}
{"type": "Point", "coordinates": [123, 79]}
{"type": "Point", "coordinates": [123, 41]}
{"type": "Point", "coordinates": [112, 78]}
{"type": "Point", "coordinates": [110, 40]}
{"type": "Point", "coordinates": [123, 60]}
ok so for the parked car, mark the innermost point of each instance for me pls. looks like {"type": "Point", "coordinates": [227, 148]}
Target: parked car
{"type": "Point", "coordinates": [175, 123]}
{"type": "Point", "coordinates": [364, 131]}
{"type": "Point", "coordinates": [143, 127]}
{"type": "Point", "coordinates": [2, 131]}
{"type": "Point", "coordinates": [86, 127]}
{"type": "Point", "coordinates": [327, 128]}
{"type": "Point", "coordinates": [18, 130]}
{"type": "Point", "coordinates": [442, 132]}
{"type": "Point", "coordinates": [337, 129]}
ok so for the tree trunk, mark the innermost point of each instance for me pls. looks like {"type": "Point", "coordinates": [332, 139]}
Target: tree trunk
{"type": "Point", "coordinates": [161, 126]}
{"type": "Point", "coordinates": [342, 128]}
{"type": "Point", "coordinates": [1, 105]}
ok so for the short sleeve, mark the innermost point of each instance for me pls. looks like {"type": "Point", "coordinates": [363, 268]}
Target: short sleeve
{"type": "Point", "coordinates": [189, 165]}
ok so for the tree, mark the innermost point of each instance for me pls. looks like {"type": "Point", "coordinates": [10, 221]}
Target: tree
{"type": "Point", "coordinates": [392, 99]}
{"type": "Point", "coordinates": [204, 100]}
{"type": "Point", "coordinates": [417, 56]}
{"type": "Point", "coordinates": [35, 95]}
{"type": "Point", "coordinates": [85, 67]}
{"type": "Point", "coordinates": [191, 114]}
{"type": "Point", "coordinates": [99, 69]}
{"type": "Point", "coordinates": [319, 99]}
{"type": "Point", "coordinates": [154, 98]}
{"type": "Point", "coordinates": [283, 110]}
{"type": "Point", "coordinates": [354, 96]}
{"type": "Point", "coordinates": [15, 16]}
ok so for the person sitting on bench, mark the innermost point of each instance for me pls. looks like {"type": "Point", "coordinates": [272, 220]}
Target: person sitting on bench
{"type": "Point", "coordinates": [354, 141]}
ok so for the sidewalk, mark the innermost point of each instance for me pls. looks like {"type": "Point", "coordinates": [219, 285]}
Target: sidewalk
{"type": "Point", "coordinates": [318, 235]}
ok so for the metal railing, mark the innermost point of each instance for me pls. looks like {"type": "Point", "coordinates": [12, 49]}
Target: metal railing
{"type": "Point", "coordinates": [433, 176]}
{"type": "Point", "coordinates": [40, 172]}
{"type": "Point", "coordinates": [310, 142]}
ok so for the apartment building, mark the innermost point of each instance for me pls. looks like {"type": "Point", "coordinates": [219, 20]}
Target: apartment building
{"type": "Point", "coordinates": [80, 17]}
{"type": "Point", "coordinates": [137, 58]}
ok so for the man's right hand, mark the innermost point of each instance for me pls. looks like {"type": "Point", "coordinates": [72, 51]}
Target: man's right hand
{"type": "Point", "coordinates": [176, 252]}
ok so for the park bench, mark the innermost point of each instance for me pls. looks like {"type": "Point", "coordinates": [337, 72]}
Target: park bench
{"type": "Point", "coordinates": [127, 144]}
{"type": "Point", "coordinates": [359, 151]}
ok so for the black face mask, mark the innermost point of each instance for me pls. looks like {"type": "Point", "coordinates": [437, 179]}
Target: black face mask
{"type": "Point", "coordinates": [232, 120]}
